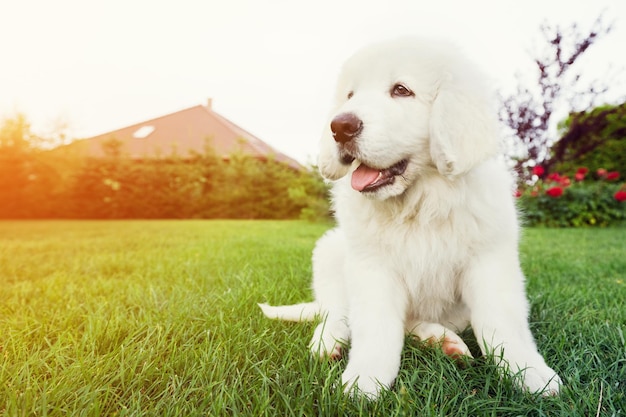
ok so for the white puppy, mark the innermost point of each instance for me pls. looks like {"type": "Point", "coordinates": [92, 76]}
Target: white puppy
{"type": "Point", "coordinates": [427, 233]}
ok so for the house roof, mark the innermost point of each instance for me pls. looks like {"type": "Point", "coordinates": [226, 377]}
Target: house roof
{"type": "Point", "coordinates": [180, 133]}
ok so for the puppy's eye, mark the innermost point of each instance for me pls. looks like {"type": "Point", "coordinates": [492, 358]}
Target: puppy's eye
{"type": "Point", "coordinates": [399, 90]}
{"type": "Point", "coordinates": [350, 94]}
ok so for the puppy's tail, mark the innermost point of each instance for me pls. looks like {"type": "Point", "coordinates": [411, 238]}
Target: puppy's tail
{"type": "Point", "coordinates": [295, 312]}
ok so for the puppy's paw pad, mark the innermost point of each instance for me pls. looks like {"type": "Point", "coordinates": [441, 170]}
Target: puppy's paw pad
{"type": "Point", "coordinates": [451, 345]}
{"type": "Point", "coordinates": [455, 347]}
{"type": "Point", "coordinates": [335, 354]}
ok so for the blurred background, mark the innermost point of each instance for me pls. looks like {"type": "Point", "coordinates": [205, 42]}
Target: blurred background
{"type": "Point", "coordinates": [75, 71]}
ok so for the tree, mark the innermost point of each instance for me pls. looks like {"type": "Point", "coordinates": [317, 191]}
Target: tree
{"type": "Point", "coordinates": [16, 134]}
{"type": "Point", "coordinates": [26, 177]}
{"type": "Point", "coordinates": [593, 139]}
{"type": "Point", "coordinates": [529, 113]}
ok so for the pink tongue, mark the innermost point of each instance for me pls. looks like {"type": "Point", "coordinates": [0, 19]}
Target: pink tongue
{"type": "Point", "coordinates": [364, 176]}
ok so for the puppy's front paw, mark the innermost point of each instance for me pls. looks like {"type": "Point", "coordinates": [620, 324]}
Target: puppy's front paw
{"type": "Point", "coordinates": [369, 378]}
{"type": "Point", "coordinates": [542, 379]}
{"type": "Point", "coordinates": [360, 385]}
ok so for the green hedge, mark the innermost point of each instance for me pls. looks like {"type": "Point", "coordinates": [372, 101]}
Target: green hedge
{"type": "Point", "coordinates": [46, 185]}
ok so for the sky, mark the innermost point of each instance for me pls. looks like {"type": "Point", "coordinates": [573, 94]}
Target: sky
{"type": "Point", "coordinates": [270, 66]}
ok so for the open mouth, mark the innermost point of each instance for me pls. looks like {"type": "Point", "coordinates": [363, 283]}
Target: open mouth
{"type": "Point", "coordinates": [368, 179]}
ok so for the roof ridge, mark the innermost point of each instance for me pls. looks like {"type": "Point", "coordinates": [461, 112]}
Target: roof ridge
{"type": "Point", "coordinates": [258, 144]}
{"type": "Point", "coordinates": [224, 120]}
{"type": "Point", "coordinates": [147, 122]}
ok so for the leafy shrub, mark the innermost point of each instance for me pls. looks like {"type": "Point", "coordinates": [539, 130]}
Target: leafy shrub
{"type": "Point", "coordinates": [40, 185]}
{"type": "Point", "coordinates": [556, 200]}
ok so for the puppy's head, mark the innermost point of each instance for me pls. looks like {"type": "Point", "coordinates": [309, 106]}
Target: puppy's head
{"type": "Point", "coordinates": [403, 109]}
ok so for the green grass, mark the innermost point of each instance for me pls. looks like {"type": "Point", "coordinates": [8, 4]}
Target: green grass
{"type": "Point", "coordinates": [160, 318]}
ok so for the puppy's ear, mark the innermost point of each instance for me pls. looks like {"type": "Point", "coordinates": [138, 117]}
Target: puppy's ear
{"type": "Point", "coordinates": [328, 161]}
{"type": "Point", "coordinates": [463, 128]}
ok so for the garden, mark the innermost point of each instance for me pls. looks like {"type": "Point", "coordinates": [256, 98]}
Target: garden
{"type": "Point", "coordinates": [583, 199]}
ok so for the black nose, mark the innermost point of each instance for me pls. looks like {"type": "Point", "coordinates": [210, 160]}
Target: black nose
{"type": "Point", "coordinates": [345, 127]}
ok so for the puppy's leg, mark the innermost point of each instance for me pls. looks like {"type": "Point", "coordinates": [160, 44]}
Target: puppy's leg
{"type": "Point", "coordinates": [495, 294]}
{"type": "Point", "coordinates": [376, 320]}
{"type": "Point", "coordinates": [436, 334]}
{"type": "Point", "coordinates": [330, 294]}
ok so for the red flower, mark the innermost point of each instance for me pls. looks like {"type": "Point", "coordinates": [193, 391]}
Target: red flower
{"type": "Point", "coordinates": [538, 170]}
{"type": "Point", "coordinates": [518, 193]}
{"type": "Point", "coordinates": [582, 170]}
{"type": "Point", "coordinates": [579, 176]}
{"type": "Point", "coordinates": [601, 172]}
{"type": "Point", "coordinates": [554, 192]}
{"type": "Point", "coordinates": [620, 196]}
{"type": "Point", "coordinates": [565, 181]}
{"type": "Point", "coordinates": [613, 175]}
{"type": "Point", "coordinates": [554, 177]}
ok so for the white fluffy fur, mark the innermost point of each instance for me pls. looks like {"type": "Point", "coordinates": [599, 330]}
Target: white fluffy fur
{"type": "Point", "coordinates": [435, 251]}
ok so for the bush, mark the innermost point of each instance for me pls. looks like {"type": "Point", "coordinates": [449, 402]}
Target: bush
{"type": "Point", "coordinates": [556, 200]}
{"type": "Point", "coordinates": [44, 185]}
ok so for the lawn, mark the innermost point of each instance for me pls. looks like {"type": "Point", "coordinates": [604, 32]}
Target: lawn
{"type": "Point", "coordinates": [160, 318]}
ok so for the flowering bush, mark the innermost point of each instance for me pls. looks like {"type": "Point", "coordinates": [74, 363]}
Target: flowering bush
{"type": "Point", "coordinates": [555, 200]}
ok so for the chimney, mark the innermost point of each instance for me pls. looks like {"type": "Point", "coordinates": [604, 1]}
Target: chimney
{"type": "Point", "coordinates": [209, 103]}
